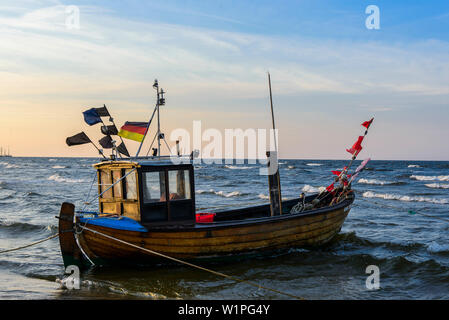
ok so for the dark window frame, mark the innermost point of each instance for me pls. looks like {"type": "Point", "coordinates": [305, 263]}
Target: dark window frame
{"type": "Point", "coordinates": [145, 208]}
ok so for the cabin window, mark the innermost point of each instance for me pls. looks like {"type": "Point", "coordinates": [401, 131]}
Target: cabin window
{"type": "Point", "coordinates": [153, 186]}
{"type": "Point", "coordinates": [179, 184]}
{"type": "Point", "coordinates": [116, 176]}
{"type": "Point", "coordinates": [105, 183]}
{"type": "Point", "coordinates": [131, 185]}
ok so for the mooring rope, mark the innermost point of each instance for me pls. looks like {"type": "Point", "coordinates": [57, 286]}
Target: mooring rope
{"type": "Point", "coordinates": [193, 265]}
{"type": "Point", "coordinates": [31, 244]}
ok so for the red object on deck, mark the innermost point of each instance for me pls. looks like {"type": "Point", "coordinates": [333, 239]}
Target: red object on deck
{"type": "Point", "coordinates": [205, 217]}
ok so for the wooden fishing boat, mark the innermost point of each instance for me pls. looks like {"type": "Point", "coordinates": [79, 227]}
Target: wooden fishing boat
{"type": "Point", "coordinates": [136, 211]}
{"type": "Point", "coordinates": [147, 210]}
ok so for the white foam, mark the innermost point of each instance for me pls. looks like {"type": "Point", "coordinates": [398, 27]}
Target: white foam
{"type": "Point", "coordinates": [434, 247]}
{"type": "Point", "coordinates": [237, 167]}
{"type": "Point", "coordinates": [291, 167]}
{"type": "Point", "coordinates": [309, 189]}
{"type": "Point", "coordinates": [58, 178]}
{"type": "Point", "coordinates": [58, 167]}
{"type": "Point", "coordinates": [228, 195]}
{"type": "Point", "coordinates": [9, 165]}
{"type": "Point", "coordinates": [262, 196]}
{"type": "Point", "coordinates": [388, 196]}
{"type": "Point", "coordinates": [314, 164]}
{"type": "Point", "coordinates": [414, 166]}
{"type": "Point", "coordinates": [373, 181]}
{"type": "Point", "coordinates": [220, 193]}
{"type": "Point", "coordinates": [437, 186]}
{"type": "Point", "coordinates": [430, 178]}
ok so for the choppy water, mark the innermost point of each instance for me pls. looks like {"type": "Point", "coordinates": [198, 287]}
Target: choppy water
{"type": "Point", "coordinates": [412, 251]}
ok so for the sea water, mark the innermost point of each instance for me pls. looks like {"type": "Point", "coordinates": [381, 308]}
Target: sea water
{"type": "Point", "coordinates": [410, 250]}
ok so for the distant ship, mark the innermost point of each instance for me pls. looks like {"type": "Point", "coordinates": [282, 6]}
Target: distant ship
{"type": "Point", "coordinates": [4, 153]}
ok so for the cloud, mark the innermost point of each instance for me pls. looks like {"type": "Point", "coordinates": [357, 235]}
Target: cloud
{"type": "Point", "coordinates": [37, 41]}
{"type": "Point", "coordinates": [43, 64]}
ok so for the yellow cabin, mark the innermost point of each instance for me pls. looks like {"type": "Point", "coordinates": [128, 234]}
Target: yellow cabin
{"type": "Point", "coordinates": [138, 190]}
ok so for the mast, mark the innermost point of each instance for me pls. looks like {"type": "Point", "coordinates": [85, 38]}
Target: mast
{"type": "Point", "coordinates": [274, 180]}
{"type": "Point", "coordinates": [272, 114]}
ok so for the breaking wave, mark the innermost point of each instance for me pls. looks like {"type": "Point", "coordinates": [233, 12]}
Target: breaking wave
{"type": "Point", "coordinates": [221, 193]}
{"type": "Point", "coordinates": [387, 196]}
{"type": "Point", "coordinates": [9, 165]}
{"type": "Point", "coordinates": [380, 182]}
{"type": "Point", "coordinates": [314, 164]}
{"type": "Point", "coordinates": [434, 247]}
{"type": "Point", "coordinates": [58, 167]}
{"type": "Point", "coordinates": [58, 178]}
{"type": "Point", "coordinates": [309, 189]}
{"type": "Point", "coordinates": [437, 186]}
{"type": "Point", "coordinates": [373, 181]}
{"type": "Point", "coordinates": [413, 166]}
{"type": "Point", "coordinates": [236, 167]}
{"type": "Point", "coordinates": [430, 178]}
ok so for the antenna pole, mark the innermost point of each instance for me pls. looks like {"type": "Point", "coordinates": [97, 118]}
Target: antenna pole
{"type": "Point", "coordinates": [158, 126]}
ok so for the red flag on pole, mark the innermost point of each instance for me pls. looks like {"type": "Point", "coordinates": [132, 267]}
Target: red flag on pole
{"type": "Point", "coordinates": [330, 188]}
{"type": "Point", "coordinates": [338, 173]}
{"type": "Point", "coordinates": [357, 147]}
{"type": "Point", "coordinates": [367, 124]}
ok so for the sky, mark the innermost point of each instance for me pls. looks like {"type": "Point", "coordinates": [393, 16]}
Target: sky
{"type": "Point", "coordinates": [329, 72]}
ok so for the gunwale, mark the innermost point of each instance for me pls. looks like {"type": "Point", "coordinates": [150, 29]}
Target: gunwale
{"type": "Point", "coordinates": [223, 238]}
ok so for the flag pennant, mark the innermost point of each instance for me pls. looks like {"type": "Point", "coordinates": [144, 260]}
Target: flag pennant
{"type": "Point", "coordinates": [362, 165]}
{"type": "Point", "coordinates": [109, 130]}
{"type": "Point", "coordinates": [106, 142]}
{"type": "Point", "coordinates": [103, 111]}
{"type": "Point", "coordinates": [367, 124]}
{"type": "Point", "coordinates": [77, 139]}
{"type": "Point", "coordinates": [133, 130]}
{"type": "Point", "coordinates": [91, 116]}
{"type": "Point", "coordinates": [122, 149]}
{"type": "Point", "coordinates": [338, 173]}
{"type": "Point", "coordinates": [330, 188]}
{"type": "Point", "coordinates": [353, 177]}
{"type": "Point", "coordinates": [357, 147]}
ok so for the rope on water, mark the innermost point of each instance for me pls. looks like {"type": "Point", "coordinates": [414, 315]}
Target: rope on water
{"type": "Point", "coordinates": [193, 265]}
{"type": "Point", "coordinates": [31, 244]}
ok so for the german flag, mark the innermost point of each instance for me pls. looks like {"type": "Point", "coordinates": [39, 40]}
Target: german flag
{"type": "Point", "coordinates": [133, 130]}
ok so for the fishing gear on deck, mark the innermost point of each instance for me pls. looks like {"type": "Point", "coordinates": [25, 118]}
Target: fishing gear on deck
{"type": "Point", "coordinates": [342, 177]}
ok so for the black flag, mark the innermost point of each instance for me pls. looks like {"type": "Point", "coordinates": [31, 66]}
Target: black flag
{"type": "Point", "coordinates": [106, 142]}
{"type": "Point", "coordinates": [109, 130]}
{"type": "Point", "coordinates": [103, 112]}
{"type": "Point", "coordinates": [77, 139]}
{"type": "Point", "coordinates": [122, 149]}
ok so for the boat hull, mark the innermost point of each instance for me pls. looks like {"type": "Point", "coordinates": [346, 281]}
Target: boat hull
{"type": "Point", "coordinates": [214, 240]}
